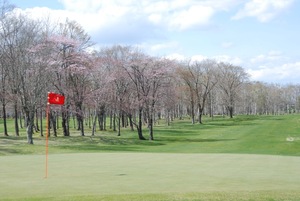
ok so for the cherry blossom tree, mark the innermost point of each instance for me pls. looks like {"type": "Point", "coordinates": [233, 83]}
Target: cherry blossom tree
{"type": "Point", "coordinates": [114, 60]}
{"type": "Point", "coordinates": [100, 92]}
{"type": "Point", "coordinates": [148, 76]}
{"type": "Point", "coordinates": [156, 81]}
{"type": "Point", "coordinates": [69, 65]}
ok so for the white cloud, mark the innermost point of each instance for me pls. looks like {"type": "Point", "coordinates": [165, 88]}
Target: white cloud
{"type": "Point", "coordinates": [269, 57]}
{"type": "Point", "coordinates": [199, 57]}
{"type": "Point", "coordinates": [43, 12]}
{"type": "Point", "coordinates": [193, 16]}
{"type": "Point", "coordinates": [228, 59]}
{"type": "Point", "coordinates": [134, 22]}
{"type": "Point", "coordinates": [163, 46]}
{"type": "Point", "coordinates": [115, 21]}
{"type": "Point", "coordinates": [286, 73]}
{"type": "Point", "coordinates": [263, 10]}
{"type": "Point", "coordinates": [173, 14]}
{"type": "Point", "coordinates": [176, 56]}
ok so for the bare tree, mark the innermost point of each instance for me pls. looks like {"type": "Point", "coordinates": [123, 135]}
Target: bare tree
{"type": "Point", "coordinates": [205, 76]}
{"type": "Point", "coordinates": [135, 70]}
{"type": "Point", "coordinates": [188, 87]}
{"type": "Point", "coordinates": [26, 75]}
{"type": "Point", "coordinates": [4, 61]}
{"type": "Point", "coordinates": [231, 79]}
{"type": "Point", "coordinates": [200, 78]}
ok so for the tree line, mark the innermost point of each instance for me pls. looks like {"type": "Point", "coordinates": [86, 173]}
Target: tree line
{"type": "Point", "coordinates": [120, 83]}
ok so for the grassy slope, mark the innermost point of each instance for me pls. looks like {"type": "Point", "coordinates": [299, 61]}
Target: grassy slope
{"type": "Point", "coordinates": [149, 176]}
{"type": "Point", "coordinates": [248, 134]}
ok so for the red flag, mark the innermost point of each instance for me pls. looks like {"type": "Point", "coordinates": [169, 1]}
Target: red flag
{"type": "Point", "coordinates": [54, 98]}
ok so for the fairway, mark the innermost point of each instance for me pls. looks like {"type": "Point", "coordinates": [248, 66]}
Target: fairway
{"type": "Point", "coordinates": [74, 176]}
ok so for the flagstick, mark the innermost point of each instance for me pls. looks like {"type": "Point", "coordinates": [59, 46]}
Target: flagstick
{"type": "Point", "coordinates": [47, 133]}
{"type": "Point", "coordinates": [57, 99]}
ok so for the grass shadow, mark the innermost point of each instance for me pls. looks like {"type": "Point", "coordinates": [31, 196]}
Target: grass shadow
{"type": "Point", "coordinates": [8, 151]}
{"type": "Point", "coordinates": [181, 139]}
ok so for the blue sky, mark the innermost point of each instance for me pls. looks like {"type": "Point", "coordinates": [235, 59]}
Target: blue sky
{"type": "Point", "coordinates": [262, 36]}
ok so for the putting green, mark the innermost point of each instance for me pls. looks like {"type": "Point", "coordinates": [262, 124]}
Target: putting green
{"type": "Point", "coordinates": [80, 174]}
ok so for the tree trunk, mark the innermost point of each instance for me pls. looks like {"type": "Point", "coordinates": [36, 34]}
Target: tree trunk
{"type": "Point", "coordinates": [80, 118]}
{"type": "Point", "coordinates": [41, 122]}
{"type": "Point", "coordinates": [104, 121]}
{"type": "Point", "coordinates": [111, 120]}
{"type": "Point", "coordinates": [230, 110]}
{"type": "Point", "coordinates": [36, 126]}
{"type": "Point", "coordinates": [192, 109]}
{"type": "Point", "coordinates": [200, 118]}
{"type": "Point", "coordinates": [89, 120]}
{"type": "Point", "coordinates": [101, 117]}
{"type": "Point", "coordinates": [114, 122]}
{"type": "Point", "coordinates": [140, 124]}
{"type": "Point", "coordinates": [151, 129]}
{"type": "Point", "coordinates": [16, 119]}
{"type": "Point", "coordinates": [4, 118]}
{"type": "Point", "coordinates": [193, 113]}
{"type": "Point", "coordinates": [151, 120]}
{"type": "Point", "coordinates": [20, 117]}
{"type": "Point", "coordinates": [80, 123]}
{"type": "Point", "coordinates": [65, 123]}
{"type": "Point", "coordinates": [130, 122]}
{"type": "Point", "coordinates": [119, 124]}
{"type": "Point", "coordinates": [82, 126]}
{"type": "Point", "coordinates": [123, 120]}
{"type": "Point", "coordinates": [168, 117]}
{"type": "Point", "coordinates": [53, 122]}
{"type": "Point", "coordinates": [30, 125]}
{"type": "Point", "coordinates": [57, 121]}
{"type": "Point", "coordinates": [200, 110]}
{"type": "Point", "coordinates": [94, 123]}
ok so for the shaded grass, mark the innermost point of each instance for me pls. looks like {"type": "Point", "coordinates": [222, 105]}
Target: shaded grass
{"type": "Point", "coordinates": [86, 168]}
{"type": "Point", "coordinates": [242, 134]}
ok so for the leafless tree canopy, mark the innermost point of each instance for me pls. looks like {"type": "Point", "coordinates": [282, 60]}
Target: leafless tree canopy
{"type": "Point", "coordinates": [121, 84]}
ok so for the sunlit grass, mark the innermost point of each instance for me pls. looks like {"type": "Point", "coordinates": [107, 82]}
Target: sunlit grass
{"type": "Point", "coordinates": [223, 159]}
{"type": "Point", "coordinates": [164, 176]}
{"type": "Point", "coordinates": [242, 134]}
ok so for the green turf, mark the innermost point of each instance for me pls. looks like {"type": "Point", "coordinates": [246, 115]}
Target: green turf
{"type": "Point", "coordinates": [243, 134]}
{"type": "Point", "coordinates": [75, 176]}
{"type": "Point", "coordinates": [244, 158]}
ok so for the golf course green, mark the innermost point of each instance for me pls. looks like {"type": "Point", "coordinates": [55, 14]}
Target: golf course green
{"type": "Point", "coordinates": [245, 158]}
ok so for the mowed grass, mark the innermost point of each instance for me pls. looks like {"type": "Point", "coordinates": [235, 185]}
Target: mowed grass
{"type": "Point", "coordinates": [150, 176]}
{"type": "Point", "coordinates": [242, 134]}
{"type": "Point", "coordinates": [244, 158]}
